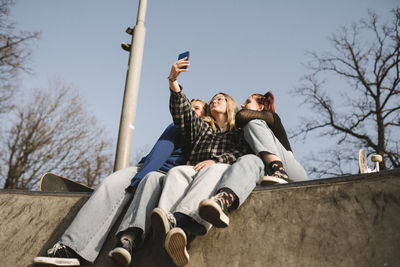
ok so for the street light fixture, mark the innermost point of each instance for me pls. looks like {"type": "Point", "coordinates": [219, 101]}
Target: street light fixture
{"type": "Point", "coordinates": [127, 123]}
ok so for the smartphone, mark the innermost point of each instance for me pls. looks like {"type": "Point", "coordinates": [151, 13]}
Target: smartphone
{"type": "Point", "coordinates": [183, 55]}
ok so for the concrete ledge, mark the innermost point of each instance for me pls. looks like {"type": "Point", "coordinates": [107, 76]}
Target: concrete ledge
{"type": "Point", "coordinates": [345, 221]}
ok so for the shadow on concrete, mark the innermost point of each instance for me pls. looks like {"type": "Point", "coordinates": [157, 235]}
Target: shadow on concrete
{"type": "Point", "coordinates": [60, 228]}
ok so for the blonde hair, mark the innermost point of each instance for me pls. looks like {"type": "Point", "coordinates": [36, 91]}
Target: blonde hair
{"type": "Point", "coordinates": [231, 110]}
{"type": "Point", "coordinates": [204, 103]}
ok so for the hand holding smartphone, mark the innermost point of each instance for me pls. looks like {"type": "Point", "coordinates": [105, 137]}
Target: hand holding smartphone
{"type": "Point", "coordinates": [183, 55]}
{"type": "Point", "coordinates": [176, 69]}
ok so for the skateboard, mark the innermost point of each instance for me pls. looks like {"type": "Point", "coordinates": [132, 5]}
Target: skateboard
{"type": "Point", "coordinates": [363, 164]}
{"type": "Point", "coordinates": [51, 182]}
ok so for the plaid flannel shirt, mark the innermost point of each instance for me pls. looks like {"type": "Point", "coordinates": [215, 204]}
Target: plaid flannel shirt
{"type": "Point", "coordinates": [206, 143]}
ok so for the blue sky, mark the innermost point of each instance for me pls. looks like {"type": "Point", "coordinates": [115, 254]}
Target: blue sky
{"type": "Point", "coordinates": [237, 46]}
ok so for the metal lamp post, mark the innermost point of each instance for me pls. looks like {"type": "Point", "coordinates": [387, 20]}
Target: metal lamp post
{"type": "Point", "coordinates": [127, 123]}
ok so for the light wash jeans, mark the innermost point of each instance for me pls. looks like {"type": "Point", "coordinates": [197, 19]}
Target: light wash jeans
{"type": "Point", "coordinates": [184, 188]}
{"type": "Point", "coordinates": [261, 139]}
{"type": "Point", "coordinates": [243, 175]}
{"type": "Point", "coordinates": [91, 226]}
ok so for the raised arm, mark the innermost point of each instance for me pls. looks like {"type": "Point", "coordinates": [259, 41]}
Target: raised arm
{"type": "Point", "coordinates": [176, 69]}
{"type": "Point", "coordinates": [185, 119]}
{"type": "Point", "coordinates": [189, 124]}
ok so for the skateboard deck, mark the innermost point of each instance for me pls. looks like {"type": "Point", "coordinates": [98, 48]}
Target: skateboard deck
{"type": "Point", "coordinates": [51, 182]}
{"type": "Point", "coordinates": [362, 161]}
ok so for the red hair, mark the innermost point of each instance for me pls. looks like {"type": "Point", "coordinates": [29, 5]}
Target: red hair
{"type": "Point", "coordinates": [267, 100]}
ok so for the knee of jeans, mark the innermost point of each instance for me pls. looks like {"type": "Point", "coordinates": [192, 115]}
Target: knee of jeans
{"type": "Point", "coordinates": [178, 173]}
{"type": "Point", "coordinates": [153, 178]}
{"type": "Point", "coordinates": [257, 129]}
{"type": "Point", "coordinates": [117, 179]}
{"type": "Point", "coordinates": [252, 162]}
{"type": "Point", "coordinates": [250, 159]}
{"type": "Point", "coordinates": [256, 123]}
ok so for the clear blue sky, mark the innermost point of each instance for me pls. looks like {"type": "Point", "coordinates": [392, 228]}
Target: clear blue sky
{"type": "Point", "coordinates": [237, 46]}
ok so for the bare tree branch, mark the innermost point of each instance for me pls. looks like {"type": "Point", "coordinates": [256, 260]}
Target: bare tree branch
{"type": "Point", "coordinates": [15, 53]}
{"type": "Point", "coordinates": [53, 132]}
{"type": "Point", "coordinates": [371, 66]}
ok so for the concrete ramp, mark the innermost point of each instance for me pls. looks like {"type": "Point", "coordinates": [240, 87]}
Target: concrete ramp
{"type": "Point", "coordinates": [346, 221]}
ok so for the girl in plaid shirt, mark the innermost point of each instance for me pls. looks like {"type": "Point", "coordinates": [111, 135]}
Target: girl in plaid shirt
{"type": "Point", "coordinates": [215, 143]}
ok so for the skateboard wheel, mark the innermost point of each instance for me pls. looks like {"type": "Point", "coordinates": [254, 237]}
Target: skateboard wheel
{"type": "Point", "coordinates": [376, 158]}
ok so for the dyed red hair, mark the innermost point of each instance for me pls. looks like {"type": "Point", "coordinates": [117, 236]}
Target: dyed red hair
{"type": "Point", "coordinates": [267, 100]}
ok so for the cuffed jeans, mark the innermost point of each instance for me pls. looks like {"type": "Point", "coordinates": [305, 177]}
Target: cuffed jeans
{"type": "Point", "coordinates": [184, 188]}
{"type": "Point", "coordinates": [91, 226]}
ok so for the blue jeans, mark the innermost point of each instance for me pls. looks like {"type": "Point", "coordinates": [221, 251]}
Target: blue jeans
{"type": "Point", "coordinates": [91, 226]}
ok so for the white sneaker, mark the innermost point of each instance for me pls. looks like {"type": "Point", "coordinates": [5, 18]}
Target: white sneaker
{"type": "Point", "coordinates": [161, 222]}
{"type": "Point", "coordinates": [58, 255]}
{"type": "Point", "coordinates": [272, 180]}
{"type": "Point", "coordinates": [212, 210]}
{"type": "Point", "coordinates": [175, 245]}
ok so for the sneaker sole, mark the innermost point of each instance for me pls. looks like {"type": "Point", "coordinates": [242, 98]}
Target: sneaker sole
{"type": "Point", "coordinates": [160, 225]}
{"type": "Point", "coordinates": [175, 245]}
{"type": "Point", "coordinates": [121, 256]}
{"type": "Point", "coordinates": [212, 213]}
{"type": "Point", "coordinates": [270, 180]}
{"type": "Point", "coordinates": [50, 261]}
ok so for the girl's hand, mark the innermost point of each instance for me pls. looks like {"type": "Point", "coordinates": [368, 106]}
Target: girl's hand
{"type": "Point", "coordinates": [203, 164]}
{"type": "Point", "coordinates": [176, 69]}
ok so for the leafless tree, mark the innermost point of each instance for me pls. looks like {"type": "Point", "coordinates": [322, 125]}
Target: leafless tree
{"type": "Point", "coordinates": [14, 54]}
{"type": "Point", "coordinates": [53, 132]}
{"type": "Point", "coordinates": [365, 112]}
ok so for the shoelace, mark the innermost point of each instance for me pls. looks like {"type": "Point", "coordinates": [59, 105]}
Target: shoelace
{"type": "Point", "coordinates": [278, 170]}
{"type": "Point", "coordinates": [171, 219]}
{"type": "Point", "coordinates": [126, 244]}
{"type": "Point", "coordinates": [56, 248]}
{"type": "Point", "coordinates": [224, 200]}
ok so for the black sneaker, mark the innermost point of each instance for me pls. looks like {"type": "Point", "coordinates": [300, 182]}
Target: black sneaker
{"type": "Point", "coordinates": [278, 176]}
{"type": "Point", "coordinates": [175, 245]}
{"type": "Point", "coordinates": [58, 255]}
{"type": "Point", "coordinates": [214, 210]}
{"type": "Point", "coordinates": [162, 223]}
{"type": "Point", "coordinates": [122, 253]}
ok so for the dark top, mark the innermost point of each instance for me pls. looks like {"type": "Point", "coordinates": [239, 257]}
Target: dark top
{"type": "Point", "coordinates": [271, 118]}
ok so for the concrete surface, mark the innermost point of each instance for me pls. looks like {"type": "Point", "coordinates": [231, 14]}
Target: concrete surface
{"type": "Point", "coordinates": [346, 221]}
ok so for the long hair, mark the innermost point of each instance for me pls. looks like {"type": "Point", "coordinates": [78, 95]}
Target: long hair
{"type": "Point", "coordinates": [231, 110]}
{"type": "Point", "coordinates": [267, 100]}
